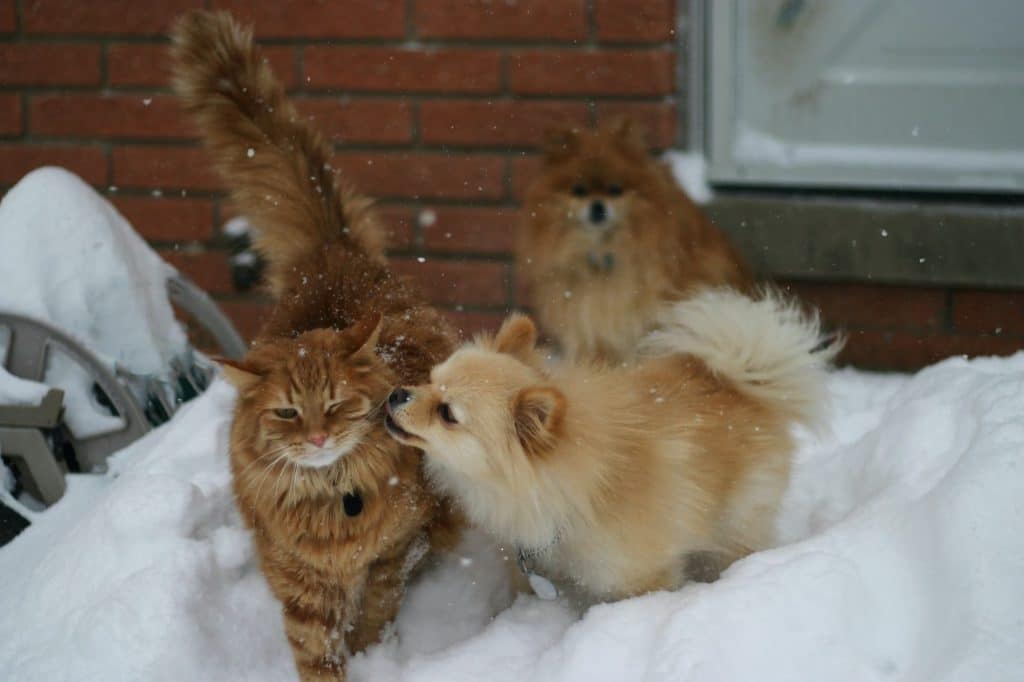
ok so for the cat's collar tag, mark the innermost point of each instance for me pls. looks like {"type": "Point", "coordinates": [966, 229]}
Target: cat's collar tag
{"type": "Point", "coordinates": [352, 503]}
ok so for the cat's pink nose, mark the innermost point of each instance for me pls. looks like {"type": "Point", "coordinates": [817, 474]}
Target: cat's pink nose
{"type": "Point", "coordinates": [317, 439]}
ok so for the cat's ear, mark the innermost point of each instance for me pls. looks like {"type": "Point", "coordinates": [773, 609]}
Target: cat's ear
{"type": "Point", "coordinates": [560, 144]}
{"type": "Point", "coordinates": [238, 373]}
{"type": "Point", "coordinates": [537, 413]}
{"type": "Point", "coordinates": [366, 333]}
{"type": "Point", "coordinates": [517, 337]}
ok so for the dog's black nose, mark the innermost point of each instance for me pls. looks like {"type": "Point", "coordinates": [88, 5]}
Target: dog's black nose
{"type": "Point", "coordinates": [398, 397]}
{"type": "Point", "coordinates": [598, 212]}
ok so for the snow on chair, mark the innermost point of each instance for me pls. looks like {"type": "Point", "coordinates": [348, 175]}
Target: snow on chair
{"type": "Point", "coordinates": [91, 355]}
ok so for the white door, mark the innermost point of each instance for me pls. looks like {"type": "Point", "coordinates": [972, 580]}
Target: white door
{"type": "Point", "coordinates": [901, 94]}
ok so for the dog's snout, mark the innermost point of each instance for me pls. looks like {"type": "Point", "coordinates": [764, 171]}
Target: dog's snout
{"type": "Point", "coordinates": [598, 212]}
{"type": "Point", "coordinates": [399, 396]}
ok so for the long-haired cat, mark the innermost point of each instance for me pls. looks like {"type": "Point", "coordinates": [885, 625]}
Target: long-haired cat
{"type": "Point", "coordinates": [340, 512]}
{"type": "Point", "coordinates": [609, 238]}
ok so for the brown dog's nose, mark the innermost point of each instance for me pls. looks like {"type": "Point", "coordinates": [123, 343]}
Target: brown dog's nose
{"type": "Point", "coordinates": [598, 212]}
{"type": "Point", "coordinates": [399, 396]}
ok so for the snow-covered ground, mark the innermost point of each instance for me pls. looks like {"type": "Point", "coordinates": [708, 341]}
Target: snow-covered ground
{"type": "Point", "coordinates": [903, 559]}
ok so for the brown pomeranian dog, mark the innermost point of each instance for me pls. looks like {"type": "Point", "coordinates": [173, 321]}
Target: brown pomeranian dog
{"type": "Point", "coordinates": [340, 512]}
{"type": "Point", "coordinates": [609, 238]}
{"type": "Point", "coordinates": [611, 479]}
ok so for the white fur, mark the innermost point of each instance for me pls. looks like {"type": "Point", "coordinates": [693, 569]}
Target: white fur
{"type": "Point", "coordinates": [767, 346]}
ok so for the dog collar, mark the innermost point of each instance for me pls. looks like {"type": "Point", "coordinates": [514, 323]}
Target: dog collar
{"type": "Point", "coordinates": [352, 503]}
{"type": "Point", "coordinates": [541, 586]}
{"type": "Point", "coordinates": [604, 262]}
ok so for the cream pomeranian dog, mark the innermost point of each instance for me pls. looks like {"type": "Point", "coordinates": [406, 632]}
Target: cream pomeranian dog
{"type": "Point", "coordinates": [611, 479]}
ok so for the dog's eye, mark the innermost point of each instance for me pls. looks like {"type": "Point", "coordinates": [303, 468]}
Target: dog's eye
{"type": "Point", "coordinates": [286, 412]}
{"type": "Point", "coordinates": [579, 190]}
{"type": "Point", "coordinates": [614, 190]}
{"type": "Point", "coordinates": [445, 411]}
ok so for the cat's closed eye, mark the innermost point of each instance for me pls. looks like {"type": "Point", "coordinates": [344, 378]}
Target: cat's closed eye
{"type": "Point", "coordinates": [353, 407]}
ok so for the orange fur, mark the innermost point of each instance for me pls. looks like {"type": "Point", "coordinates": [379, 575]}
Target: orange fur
{"type": "Point", "coordinates": [307, 433]}
{"type": "Point", "coordinates": [597, 288]}
{"type": "Point", "coordinates": [613, 478]}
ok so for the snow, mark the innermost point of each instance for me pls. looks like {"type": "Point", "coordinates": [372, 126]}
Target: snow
{"type": "Point", "coordinates": [690, 171]}
{"type": "Point", "coordinates": [70, 259]}
{"type": "Point", "coordinates": [902, 559]}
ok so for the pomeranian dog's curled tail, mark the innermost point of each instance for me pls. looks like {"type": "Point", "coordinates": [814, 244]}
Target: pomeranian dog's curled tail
{"type": "Point", "coordinates": [767, 346]}
{"type": "Point", "coordinates": [276, 165]}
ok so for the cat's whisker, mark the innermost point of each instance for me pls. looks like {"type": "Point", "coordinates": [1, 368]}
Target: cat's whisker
{"type": "Point", "coordinates": [268, 470]}
{"type": "Point", "coordinates": [262, 457]}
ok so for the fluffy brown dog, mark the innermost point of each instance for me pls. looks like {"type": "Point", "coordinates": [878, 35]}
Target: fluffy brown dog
{"type": "Point", "coordinates": [612, 479]}
{"type": "Point", "coordinates": [340, 512]}
{"type": "Point", "coordinates": [608, 238]}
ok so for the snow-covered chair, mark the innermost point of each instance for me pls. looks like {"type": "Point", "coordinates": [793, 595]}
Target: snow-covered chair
{"type": "Point", "coordinates": [91, 354]}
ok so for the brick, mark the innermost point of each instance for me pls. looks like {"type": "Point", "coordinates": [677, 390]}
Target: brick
{"type": "Point", "coordinates": [482, 19]}
{"type": "Point", "coordinates": [164, 168]}
{"type": "Point", "coordinates": [658, 119]}
{"type": "Point", "coordinates": [393, 70]}
{"type": "Point", "coordinates": [425, 175]}
{"type": "Point", "coordinates": [49, 64]}
{"type": "Point", "coordinates": [209, 270]}
{"type": "Point", "coordinates": [132, 64]}
{"type": "Point", "coordinates": [106, 17]}
{"type": "Point", "coordinates": [470, 230]}
{"type": "Point", "coordinates": [18, 159]}
{"type": "Point", "coordinates": [458, 282]}
{"type": "Point", "coordinates": [524, 170]}
{"type": "Point", "coordinates": [8, 16]}
{"type": "Point", "coordinates": [112, 116]}
{"type": "Point", "coordinates": [496, 123]}
{"type": "Point", "coordinates": [470, 323]}
{"type": "Point", "coordinates": [168, 219]}
{"type": "Point", "coordinates": [10, 115]}
{"type": "Point", "coordinates": [371, 121]}
{"type": "Point", "coordinates": [319, 19]}
{"type": "Point", "coordinates": [874, 307]}
{"type": "Point", "coordinates": [398, 225]}
{"type": "Point", "coordinates": [248, 315]}
{"type": "Point", "coordinates": [908, 351]}
{"type": "Point", "coordinates": [635, 21]}
{"type": "Point", "coordinates": [989, 311]}
{"type": "Point", "coordinates": [635, 72]}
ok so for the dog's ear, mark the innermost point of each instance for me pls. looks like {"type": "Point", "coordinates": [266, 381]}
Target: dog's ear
{"type": "Point", "coordinates": [238, 373]}
{"type": "Point", "coordinates": [517, 336]}
{"type": "Point", "coordinates": [560, 144]}
{"type": "Point", "coordinates": [628, 135]}
{"type": "Point", "coordinates": [366, 333]}
{"type": "Point", "coordinates": [538, 412]}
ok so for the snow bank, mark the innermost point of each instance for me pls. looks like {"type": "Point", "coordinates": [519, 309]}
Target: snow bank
{"type": "Point", "coordinates": [690, 169]}
{"type": "Point", "coordinates": [903, 560]}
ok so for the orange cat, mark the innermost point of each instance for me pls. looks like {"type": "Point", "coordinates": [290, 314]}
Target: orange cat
{"type": "Point", "coordinates": [340, 512]}
{"type": "Point", "coordinates": [609, 238]}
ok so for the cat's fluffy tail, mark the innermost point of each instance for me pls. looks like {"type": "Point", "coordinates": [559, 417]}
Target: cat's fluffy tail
{"type": "Point", "coordinates": [275, 164]}
{"type": "Point", "coordinates": [767, 346]}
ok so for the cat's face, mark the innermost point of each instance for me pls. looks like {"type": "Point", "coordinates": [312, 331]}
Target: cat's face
{"type": "Point", "coordinates": [314, 398]}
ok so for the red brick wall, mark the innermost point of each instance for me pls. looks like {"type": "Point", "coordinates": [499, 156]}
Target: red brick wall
{"type": "Point", "coordinates": [435, 107]}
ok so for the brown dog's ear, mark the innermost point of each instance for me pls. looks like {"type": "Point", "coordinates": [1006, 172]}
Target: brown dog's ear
{"type": "Point", "coordinates": [629, 135]}
{"type": "Point", "coordinates": [238, 373]}
{"type": "Point", "coordinates": [517, 336]}
{"type": "Point", "coordinates": [366, 333]}
{"type": "Point", "coordinates": [538, 412]}
{"type": "Point", "coordinates": [560, 144]}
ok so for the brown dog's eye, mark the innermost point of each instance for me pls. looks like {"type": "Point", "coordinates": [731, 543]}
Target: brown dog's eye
{"type": "Point", "coordinates": [614, 190]}
{"type": "Point", "coordinates": [445, 410]}
{"type": "Point", "coordinates": [579, 190]}
{"type": "Point", "coordinates": [286, 412]}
